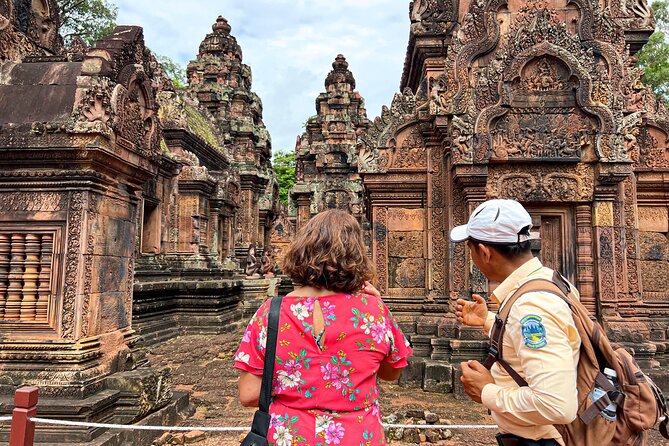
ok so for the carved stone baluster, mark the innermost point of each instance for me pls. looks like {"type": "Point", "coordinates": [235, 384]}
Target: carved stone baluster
{"type": "Point", "coordinates": [5, 251]}
{"type": "Point", "coordinates": [30, 275]}
{"type": "Point", "coordinates": [14, 290]}
{"type": "Point", "coordinates": [44, 287]}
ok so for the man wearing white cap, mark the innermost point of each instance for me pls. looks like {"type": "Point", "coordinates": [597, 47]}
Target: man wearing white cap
{"type": "Point", "coordinates": [541, 343]}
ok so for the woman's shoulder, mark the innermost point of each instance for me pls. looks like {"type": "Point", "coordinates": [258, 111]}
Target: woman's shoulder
{"type": "Point", "coordinates": [369, 300]}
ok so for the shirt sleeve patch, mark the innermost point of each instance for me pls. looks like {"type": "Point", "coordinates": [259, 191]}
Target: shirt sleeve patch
{"type": "Point", "coordinates": [534, 332]}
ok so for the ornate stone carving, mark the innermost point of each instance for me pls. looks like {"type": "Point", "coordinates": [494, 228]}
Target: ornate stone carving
{"type": "Point", "coordinates": [72, 257]}
{"type": "Point", "coordinates": [412, 153]}
{"type": "Point", "coordinates": [544, 76]}
{"type": "Point", "coordinates": [383, 130]}
{"type": "Point", "coordinates": [461, 147]}
{"type": "Point", "coordinates": [432, 16]}
{"type": "Point", "coordinates": [541, 134]}
{"type": "Point", "coordinates": [96, 105]}
{"type": "Point", "coordinates": [32, 201]}
{"type": "Point", "coordinates": [380, 246]}
{"type": "Point", "coordinates": [544, 184]}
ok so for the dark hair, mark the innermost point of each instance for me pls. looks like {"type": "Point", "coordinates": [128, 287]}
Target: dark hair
{"type": "Point", "coordinates": [329, 252]}
{"type": "Point", "coordinates": [511, 250]}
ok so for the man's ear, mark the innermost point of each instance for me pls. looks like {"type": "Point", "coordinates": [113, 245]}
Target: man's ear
{"type": "Point", "coordinates": [485, 252]}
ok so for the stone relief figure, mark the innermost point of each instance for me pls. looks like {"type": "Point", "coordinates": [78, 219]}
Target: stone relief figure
{"type": "Point", "coordinates": [462, 135]}
{"type": "Point", "coordinates": [630, 130]}
{"type": "Point", "coordinates": [266, 264]}
{"type": "Point", "coordinates": [544, 77]}
{"type": "Point", "coordinates": [253, 266]}
{"type": "Point", "coordinates": [639, 8]}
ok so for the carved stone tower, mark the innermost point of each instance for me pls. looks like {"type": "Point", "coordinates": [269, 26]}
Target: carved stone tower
{"type": "Point", "coordinates": [222, 83]}
{"type": "Point", "coordinates": [326, 155]}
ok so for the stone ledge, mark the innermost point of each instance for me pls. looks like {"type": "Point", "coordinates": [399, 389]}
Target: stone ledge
{"type": "Point", "coordinates": [176, 410]}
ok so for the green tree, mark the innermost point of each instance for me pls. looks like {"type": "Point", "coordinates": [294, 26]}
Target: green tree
{"type": "Point", "coordinates": [174, 71]}
{"type": "Point", "coordinates": [284, 166]}
{"type": "Point", "coordinates": [90, 19]}
{"type": "Point", "coordinates": [654, 56]}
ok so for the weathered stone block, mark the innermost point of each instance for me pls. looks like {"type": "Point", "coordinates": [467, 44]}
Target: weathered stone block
{"type": "Point", "coordinates": [654, 246]}
{"type": "Point", "coordinates": [150, 389]}
{"type": "Point", "coordinates": [407, 273]}
{"type": "Point", "coordinates": [458, 388]}
{"type": "Point", "coordinates": [441, 349]}
{"type": "Point", "coordinates": [422, 346]}
{"type": "Point", "coordinates": [117, 237]}
{"type": "Point", "coordinates": [406, 244]}
{"type": "Point", "coordinates": [406, 219]}
{"type": "Point", "coordinates": [412, 375]}
{"type": "Point", "coordinates": [655, 275]}
{"type": "Point", "coordinates": [438, 377]}
{"type": "Point", "coordinates": [426, 327]}
{"type": "Point", "coordinates": [653, 219]}
{"type": "Point", "coordinates": [107, 273]}
{"type": "Point", "coordinates": [112, 312]}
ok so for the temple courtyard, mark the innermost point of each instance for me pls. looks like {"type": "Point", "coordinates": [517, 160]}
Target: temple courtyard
{"type": "Point", "coordinates": [203, 366]}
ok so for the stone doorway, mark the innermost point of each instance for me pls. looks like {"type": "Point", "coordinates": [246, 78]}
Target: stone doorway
{"type": "Point", "coordinates": [556, 246]}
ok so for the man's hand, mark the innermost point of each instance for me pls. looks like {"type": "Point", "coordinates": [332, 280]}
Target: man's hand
{"type": "Point", "coordinates": [474, 378]}
{"type": "Point", "coordinates": [368, 288]}
{"type": "Point", "coordinates": [471, 313]}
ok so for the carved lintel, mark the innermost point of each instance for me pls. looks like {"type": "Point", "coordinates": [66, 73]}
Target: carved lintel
{"type": "Point", "coordinates": [471, 176]}
{"type": "Point", "coordinates": [613, 173]}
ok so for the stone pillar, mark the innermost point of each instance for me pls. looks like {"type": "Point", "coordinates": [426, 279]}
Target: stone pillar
{"type": "Point", "coordinates": [602, 221]}
{"type": "Point", "coordinates": [584, 257]}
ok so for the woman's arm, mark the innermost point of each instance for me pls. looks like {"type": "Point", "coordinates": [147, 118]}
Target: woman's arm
{"type": "Point", "coordinates": [389, 373]}
{"type": "Point", "coordinates": [249, 389]}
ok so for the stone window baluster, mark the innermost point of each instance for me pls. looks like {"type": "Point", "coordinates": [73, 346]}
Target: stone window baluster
{"type": "Point", "coordinates": [5, 251]}
{"type": "Point", "coordinates": [30, 275]}
{"type": "Point", "coordinates": [44, 287]}
{"type": "Point", "coordinates": [14, 290]}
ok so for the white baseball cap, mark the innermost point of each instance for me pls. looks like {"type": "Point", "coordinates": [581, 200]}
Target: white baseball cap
{"type": "Point", "coordinates": [495, 221]}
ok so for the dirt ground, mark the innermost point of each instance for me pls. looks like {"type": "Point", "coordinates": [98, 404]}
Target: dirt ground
{"type": "Point", "coordinates": [203, 366]}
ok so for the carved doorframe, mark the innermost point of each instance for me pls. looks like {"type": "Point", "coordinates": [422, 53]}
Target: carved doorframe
{"type": "Point", "coordinates": [543, 220]}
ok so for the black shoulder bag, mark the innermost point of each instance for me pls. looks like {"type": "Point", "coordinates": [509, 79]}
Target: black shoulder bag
{"type": "Point", "coordinates": [261, 419]}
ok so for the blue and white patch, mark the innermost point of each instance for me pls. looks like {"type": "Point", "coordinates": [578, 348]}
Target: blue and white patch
{"type": "Point", "coordinates": [534, 332]}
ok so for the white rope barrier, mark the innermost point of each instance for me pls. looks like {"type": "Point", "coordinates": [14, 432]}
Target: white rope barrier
{"type": "Point", "coordinates": [440, 426]}
{"type": "Point", "coordinates": [232, 429]}
{"type": "Point", "coordinates": [235, 429]}
{"type": "Point", "coordinates": [139, 427]}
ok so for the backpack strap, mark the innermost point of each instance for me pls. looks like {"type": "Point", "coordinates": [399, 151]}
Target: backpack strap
{"type": "Point", "coordinates": [558, 286]}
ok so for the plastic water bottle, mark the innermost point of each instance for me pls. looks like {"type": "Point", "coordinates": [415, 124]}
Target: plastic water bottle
{"type": "Point", "coordinates": [609, 413]}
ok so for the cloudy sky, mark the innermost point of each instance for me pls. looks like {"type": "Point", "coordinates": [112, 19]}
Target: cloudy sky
{"type": "Point", "coordinates": [290, 46]}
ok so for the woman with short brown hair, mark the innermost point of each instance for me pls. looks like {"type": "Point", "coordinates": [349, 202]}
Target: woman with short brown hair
{"type": "Point", "coordinates": [333, 342]}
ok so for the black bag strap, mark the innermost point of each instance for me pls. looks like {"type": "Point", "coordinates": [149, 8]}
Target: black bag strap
{"type": "Point", "coordinates": [270, 354]}
{"type": "Point", "coordinates": [558, 286]}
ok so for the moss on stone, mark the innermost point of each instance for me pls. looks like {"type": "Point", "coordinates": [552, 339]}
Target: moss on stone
{"type": "Point", "coordinates": [200, 126]}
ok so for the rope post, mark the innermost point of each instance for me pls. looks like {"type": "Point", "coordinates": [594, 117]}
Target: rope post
{"type": "Point", "coordinates": [25, 407]}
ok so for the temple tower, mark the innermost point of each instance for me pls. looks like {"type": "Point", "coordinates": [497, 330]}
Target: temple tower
{"type": "Point", "coordinates": [326, 156]}
{"type": "Point", "coordinates": [222, 84]}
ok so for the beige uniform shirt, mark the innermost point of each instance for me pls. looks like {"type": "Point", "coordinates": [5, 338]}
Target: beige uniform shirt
{"type": "Point", "coordinates": [542, 344]}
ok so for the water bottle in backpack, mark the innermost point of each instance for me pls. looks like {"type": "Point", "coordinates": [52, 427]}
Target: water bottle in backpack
{"type": "Point", "coordinates": [609, 413]}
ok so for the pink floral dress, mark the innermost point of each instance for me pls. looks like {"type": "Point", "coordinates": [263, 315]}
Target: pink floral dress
{"type": "Point", "coordinates": [326, 394]}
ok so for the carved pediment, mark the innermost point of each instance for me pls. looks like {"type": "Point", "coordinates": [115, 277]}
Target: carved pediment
{"type": "Point", "coordinates": [383, 130]}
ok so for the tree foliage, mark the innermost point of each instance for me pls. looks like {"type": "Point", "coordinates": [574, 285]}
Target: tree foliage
{"type": "Point", "coordinates": [654, 56]}
{"type": "Point", "coordinates": [174, 71]}
{"type": "Point", "coordinates": [90, 19]}
{"type": "Point", "coordinates": [284, 166]}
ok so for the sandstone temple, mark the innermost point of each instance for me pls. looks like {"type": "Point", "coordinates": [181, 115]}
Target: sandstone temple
{"type": "Point", "coordinates": [129, 209]}
{"type": "Point", "coordinates": [537, 100]}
